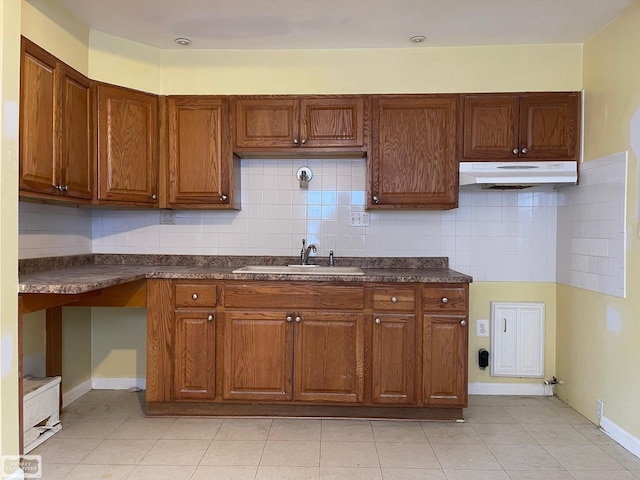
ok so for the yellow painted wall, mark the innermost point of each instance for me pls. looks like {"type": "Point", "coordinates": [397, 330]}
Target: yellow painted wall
{"type": "Point", "coordinates": [481, 295]}
{"type": "Point", "coordinates": [599, 335]}
{"type": "Point", "coordinates": [49, 25]}
{"type": "Point", "coordinates": [9, 93]}
{"type": "Point", "coordinates": [119, 342]}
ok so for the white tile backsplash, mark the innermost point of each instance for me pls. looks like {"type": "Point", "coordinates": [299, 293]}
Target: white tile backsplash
{"type": "Point", "coordinates": [592, 226]}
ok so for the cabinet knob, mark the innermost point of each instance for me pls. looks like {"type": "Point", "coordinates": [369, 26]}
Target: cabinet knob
{"type": "Point", "coordinates": [444, 300]}
{"type": "Point", "coordinates": [223, 198]}
{"type": "Point", "coordinates": [298, 319]}
{"type": "Point", "coordinates": [463, 323]}
{"type": "Point", "coordinates": [515, 151]}
{"type": "Point", "coordinates": [289, 318]}
{"type": "Point", "coordinates": [376, 199]}
{"type": "Point", "coordinates": [394, 299]}
{"type": "Point", "coordinates": [295, 141]}
{"type": "Point", "coordinates": [210, 318]}
{"type": "Point", "coordinates": [194, 296]}
{"type": "Point", "coordinates": [64, 188]}
{"type": "Point", "coordinates": [378, 321]}
{"type": "Point", "coordinates": [57, 187]}
{"type": "Point", "coordinates": [154, 197]}
{"type": "Point", "coordinates": [303, 141]}
{"type": "Point", "coordinates": [524, 150]}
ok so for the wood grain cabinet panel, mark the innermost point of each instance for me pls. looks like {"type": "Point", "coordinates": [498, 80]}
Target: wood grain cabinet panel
{"type": "Point", "coordinates": [444, 365]}
{"type": "Point", "coordinates": [394, 353]}
{"type": "Point", "coordinates": [507, 127]}
{"type": "Point", "coordinates": [290, 123]}
{"type": "Point", "coordinates": [258, 360]}
{"type": "Point", "coordinates": [329, 357]}
{"type": "Point", "coordinates": [127, 146]}
{"type": "Point", "coordinates": [194, 357]}
{"type": "Point", "coordinates": [200, 162]}
{"type": "Point", "coordinates": [56, 139]}
{"type": "Point", "coordinates": [413, 158]}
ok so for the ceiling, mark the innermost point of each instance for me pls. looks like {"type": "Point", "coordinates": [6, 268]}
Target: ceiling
{"type": "Point", "coordinates": [277, 24]}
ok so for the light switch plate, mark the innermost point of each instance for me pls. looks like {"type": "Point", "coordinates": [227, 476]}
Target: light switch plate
{"type": "Point", "coordinates": [359, 219]}
{"type": "Point", "coordinates": [482, 328]}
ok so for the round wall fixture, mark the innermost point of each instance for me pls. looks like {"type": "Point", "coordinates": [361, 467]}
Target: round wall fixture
{"type": "Point", "coordinates": [185, 42]}
{"type": "Point", "coordinates": [417, 39]}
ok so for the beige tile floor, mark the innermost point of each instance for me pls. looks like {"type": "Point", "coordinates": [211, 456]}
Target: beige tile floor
{"type": "Point", "coordinates": [106, 436]}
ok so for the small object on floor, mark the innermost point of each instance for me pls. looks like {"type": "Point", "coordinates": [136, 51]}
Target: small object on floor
{"type": "Point", "coordinates": [134, 389]}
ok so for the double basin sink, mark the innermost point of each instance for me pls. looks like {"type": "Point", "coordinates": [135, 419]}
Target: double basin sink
{"type": "Point", "coordinates": [299, 270]}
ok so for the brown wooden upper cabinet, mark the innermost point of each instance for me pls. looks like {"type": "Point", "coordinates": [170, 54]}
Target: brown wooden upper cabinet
{"type": "Point", "coordinates": [413, 161]}
{"type": "Point", "coordinates": [199, 161]}
{"type": "Point", "coordinates": [56, 137]}
{"type": "Point", "coordinates": [536, 126]}
{"type": "Point", "coordinates": [287, 123]}
{"type": "Point", "coordinates": [127, 146]}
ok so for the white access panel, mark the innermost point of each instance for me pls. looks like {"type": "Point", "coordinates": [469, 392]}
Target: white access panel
{"type": "Point", "coordinates": [517, 339]}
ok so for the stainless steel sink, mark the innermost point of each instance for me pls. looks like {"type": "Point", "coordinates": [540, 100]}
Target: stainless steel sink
{"type": "Point", "coordinates": [299, 270]}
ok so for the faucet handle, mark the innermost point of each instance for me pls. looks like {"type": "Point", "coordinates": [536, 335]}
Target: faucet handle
{"type": "Point", "coordinates": [331, 260]}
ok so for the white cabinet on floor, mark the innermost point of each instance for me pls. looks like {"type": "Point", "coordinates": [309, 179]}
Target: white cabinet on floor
{"type": "Point", "coordinates": [517, 339]}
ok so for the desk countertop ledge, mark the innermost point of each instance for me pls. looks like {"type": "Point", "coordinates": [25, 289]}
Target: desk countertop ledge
{"type": "Point", "coordinates": [84, 273]}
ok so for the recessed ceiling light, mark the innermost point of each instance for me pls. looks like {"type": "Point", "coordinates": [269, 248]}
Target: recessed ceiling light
{"type": "Point", "coordinates": [417, 39]}
{"type": "Point", "coordinates": [185, 42]}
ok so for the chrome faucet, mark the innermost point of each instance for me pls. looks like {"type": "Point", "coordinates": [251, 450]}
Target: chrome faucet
{"type": "Point", "coordinates": [304, 253]}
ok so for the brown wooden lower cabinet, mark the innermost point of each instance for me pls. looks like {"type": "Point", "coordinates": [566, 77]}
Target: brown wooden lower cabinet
{"type": "Point", "coordinates": [393, 354]}
{"type": "Point", "coordinates": [194, 353]}
{"type": "Point", "coordinates": [384, 350]}
{"type": "Point", "coordinates": [445, 359]}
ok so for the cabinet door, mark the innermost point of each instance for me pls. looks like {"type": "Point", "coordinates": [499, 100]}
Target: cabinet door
{"type": "Point", "coordinates": [550, 126]}
{"type": "Point", "coordinates": [77, 135]}
{"type": "Point", "coordinates": [490, 127]}
{"type": "Point", "coordinates": [394, 359]}
{"type": "Point", "coordinates": [127, 145]}
{"type": "Point", "coordinates": [445, 359]}
{"type": "Point", "coordinates": [39, 129]}
{"type": "Point", "coordinates": [413, 161]}
{"type": "Point", "coordinates": [267, 122]}
{"type": "Point", "coordinates": [332, 122]}
{"type": "Point", "coordinates": [258, 356]}
{"type": "Point", "coordinates": [329, 356]}
{"type": "Point", "coordinates": [194, 355]}
{"type": "Point", "coordinates": [199, 171]}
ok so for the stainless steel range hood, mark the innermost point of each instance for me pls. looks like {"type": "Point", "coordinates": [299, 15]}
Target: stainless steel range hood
{"type": "Point", "coordinates": [518, 174]}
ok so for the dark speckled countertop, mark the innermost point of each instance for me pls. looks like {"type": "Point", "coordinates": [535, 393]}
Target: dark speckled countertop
{"type": "Point", "coordinates": [84, 273]}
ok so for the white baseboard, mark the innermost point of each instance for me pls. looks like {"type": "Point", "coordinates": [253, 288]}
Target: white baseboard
{"type": "Point", "coordinates": [100, 383]}
{"type": "Point", "coordinates": [477, 388]}
{"type": "Point", "coordinates": [76, 392]}
{"type": "Point", "coordinates": [621, 436]}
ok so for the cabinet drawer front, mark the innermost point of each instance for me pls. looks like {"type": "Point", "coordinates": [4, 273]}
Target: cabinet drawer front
{"type": "Point", "coordinates": [293, 296]}
{"type": "Point", "coordinates": [444, 299]}
{"type": "Point", "coordinates": [195, 295]}
{"type": "Point", "coordinates": [394, 299]}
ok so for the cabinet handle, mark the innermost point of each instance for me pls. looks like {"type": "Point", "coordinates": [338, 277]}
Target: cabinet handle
{"type": "Point", "coordinates": [57, 187]}
{"type": "Point", "coordinates": [444, 300]}
{"type": "Point", "coordinates": [394, 299]}
{"type": "Point", "coordinates": [515, 151]}
{"type": "Point", "coordinates": [303, 141]}
{"type": "Point", "coordinates": [223, 198]}
{"type": "Point", "coordinates": [210, 318]}
{"type": "Point", "coordinates": [194, 296]}
{"type": "Point", "coordinates": [289, 318]}
{"type": "Point", "coordinates": [463, 323]}
{"type": "Point", "coordinates": [524, 150]}
{"type": "Point", "coordinates": [65, 188]}
{"type": "Point", "coordinates": [505, 325]}
{"type": "Point", "coordinates": [154, 197]}
{"type": "Point", "coordinates": [378, 321]}
{"type": "Point", "coordinates": [376, 199]}
{"type": "Point", "coordinates": [295, 141]}
{"type": "Point", "coordinates": [298, 319]}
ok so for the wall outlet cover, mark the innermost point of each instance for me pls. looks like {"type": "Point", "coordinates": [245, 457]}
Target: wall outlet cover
{"type": "Point", "coordinates": [358, 219]}
{"type": "Point", "coordinates": [482, 328]}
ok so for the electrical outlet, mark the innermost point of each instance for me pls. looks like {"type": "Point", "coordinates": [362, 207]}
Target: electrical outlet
{"type": "Point", "coordinates": [167, 217]}
{"type": "Point", "coordinates": [599, 409]}
{"type": "Point", "coordinates": [359, 219]}
{"type": "Point", "coordinates": [482, 328]}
